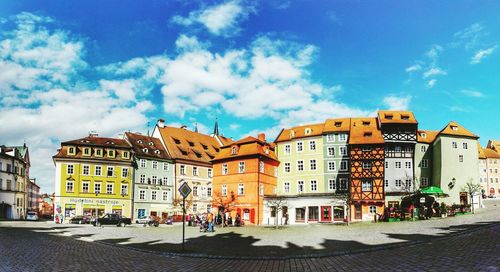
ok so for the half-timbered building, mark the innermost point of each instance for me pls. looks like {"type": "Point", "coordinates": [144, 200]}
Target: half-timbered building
{"type": "Point", "coordinates": [366, 150]}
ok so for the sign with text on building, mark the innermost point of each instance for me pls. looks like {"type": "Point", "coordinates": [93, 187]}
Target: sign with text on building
{"type": "Point", "coordinates": [184, 189]}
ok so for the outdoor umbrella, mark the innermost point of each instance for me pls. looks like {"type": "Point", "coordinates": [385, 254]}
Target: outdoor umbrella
{"type": "Point", "coordinates": [433, 190]}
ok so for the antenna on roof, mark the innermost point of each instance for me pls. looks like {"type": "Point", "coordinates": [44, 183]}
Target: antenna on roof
{"type": "Point", "coordinates": [216, 127]}
{"type": "Point", "coordinates": [195, 126]}
{"type": "Point", "coordinates": [148, 129]}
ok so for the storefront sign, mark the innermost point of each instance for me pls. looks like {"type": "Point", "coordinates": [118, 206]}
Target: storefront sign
{"type": "Point", "coordinates": [94, 201]}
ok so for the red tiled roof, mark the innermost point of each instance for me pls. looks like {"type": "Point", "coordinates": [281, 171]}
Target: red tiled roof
{"type": "Point", "coordinates": [396, 117]}
{"type": "Point", "coordinates": [337, 125]}
{"type": "Point", "coordinates": [426, 136]}
{"type": "Point", "coordinates": [145, 146]}
{"type": "Point", "coordinates": [248, 146]}
{"type": "Point", "coordinates": [300, 132]}
{"type": "Point", "coordinates": [365, 131]}
{"type": "Point", "coordinates": [455, 129]}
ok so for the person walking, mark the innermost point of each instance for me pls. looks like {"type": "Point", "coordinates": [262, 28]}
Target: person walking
{"type": "Point", "coordinates": [210, 220]}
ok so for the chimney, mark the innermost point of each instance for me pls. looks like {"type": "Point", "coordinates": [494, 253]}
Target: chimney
{"type": "Point", "coordinates": [93, 133]}
{"type": "Point", "coordinates": [262, 137]}
{"type": "Point", "coordinates": [184, 127]}
{"type": "Point", "coordinates": [161, 123]}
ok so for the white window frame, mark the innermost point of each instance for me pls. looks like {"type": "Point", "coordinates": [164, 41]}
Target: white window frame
{"type": "Point", "coordinates": [343, 150]}
{"type": "Point", "coordinates": [88, 187]}
{"type": "Point", "coordinates": [425, 163]}
{"type": "Point", "coordinates": [241, 189]}
{"type": "Point", "coordinates": [313, 165]}
{"type": "Point", "coordinates": [287, 166]}
{"type": "Point", "coordinates": [154, 164]}
{"type": "Point", "coordinates": [85, 167]}
{"type": "Point", "coordinates": [408, 164]}
{"type": "Point", "coordinates": [142, 178]}
{"type": "Point", "coordinates": [301, 145]}
{"type": "Point", "coordinates": [332, 153]}
{"type": "Point", "coordinates": [261, 166]}
{"type": "Point", "coordinates": [397, 165]}
{"type": "Point", "coordinates": [342, 137]}
{"type": "Point", "coordinates": [112, 188]}
{"type": "Point", "coordinates": [142, 194]}
{"type": "Point", "coordinates": [224, 190]}
{"type": "Point", "coordinates": [143, 163]}
{"type": "Point", "coordinates": [300, 186]}
{"type": "Point", "coordinates": [210, 172]}
{"type": "Point", "coordinates": [241, 167]}
{"type": "Point", "coordinates": [165, 195]}
{"type": "Point", "coordinates": [182, 169]}
{"type": "Point", "coordinates": [112, 171]}
{"type": "Point", "coordinates": [330, 138]}
{"type": "Point", "coordinates": [72, 167]}
{"type": "Point", "coordinates": [124, 189]}
{"type": "Point", "coordinates": [313, 185]}
{"type": "Point", "coordinates": [154, 194]}
{"type": "Point", "coordinates": [365, 187]}
{"type": "Point", "coordinates": [288, 149]}
{"type": "Point", "coordinates": [331, 184]}
{"type": "Point", "coordinates": [224, 169]}
{"type": "Point", "coordinates": [454, 145]}
{"type": "Point", "coordinates": [195, 171]}
{"type": "Point", "coordinates": [96, 172]}
{"type": "Point", "coordinates": [286, 187]}
{"type": "Point", "coordinates": [330, 164]}
{"type": "Point", "coordinates": [125, 172]}
{"type": "Point", "coordinates": [344, 163]}
{"type": "Point", "coordinates": [97, 187]}
{"type": "Point", "coordinates": [312, 145]}
{"type": "Point", "coordinates": [367, 165]}
{"type": "Point", "coordinates": [300, 164]}
{"type": "Point", "coordinates": [68, 189]}
{"type": "Point", "coordinates": [165, 166]}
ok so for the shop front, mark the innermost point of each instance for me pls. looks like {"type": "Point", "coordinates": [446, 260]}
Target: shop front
{"type": "Point", "coordinates": [70, 207]}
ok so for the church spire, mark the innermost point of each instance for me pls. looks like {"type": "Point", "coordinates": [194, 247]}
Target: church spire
{"type": "Point", "coordinates": [216, 127]}
{"type": "Point", "coordinates": [196, 127]}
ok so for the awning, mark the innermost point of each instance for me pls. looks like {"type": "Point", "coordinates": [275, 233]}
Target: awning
{"type": "Point", "coordinates": [433, 190]}
{"type": "Point", "coordinates": [90, 206]}
{"type": "Point", "coordinates": [119, 207]}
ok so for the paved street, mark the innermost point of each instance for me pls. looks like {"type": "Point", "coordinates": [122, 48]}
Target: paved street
{"type": "Point", "coordinates": [471, 246]}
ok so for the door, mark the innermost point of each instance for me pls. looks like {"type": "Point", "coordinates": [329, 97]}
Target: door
{"type": "Point", "coordinates": [357, 211]}
{"type": "Point", "coordinates": [326, 213]}
{"type": "Point", "coordinates": [153, 213]}
{"type": "Point", "coordinates": [463, 198]}
{"type": "Point", "coordinates": [338, 213]}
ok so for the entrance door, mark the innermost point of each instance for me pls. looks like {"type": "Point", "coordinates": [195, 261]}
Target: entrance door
{"type": "Point", "coordinates": [338, 213]}
{"type": "Point", "coordinates": [492, 191]}
{"type": "Point", "coordinates": [463, 198]}
{"type": "Point", "coordinates": [153, 213]}
{"type": "Point", "coordinates": [357, 211]}
{"type": "Point", "coordinates": [326, 213]}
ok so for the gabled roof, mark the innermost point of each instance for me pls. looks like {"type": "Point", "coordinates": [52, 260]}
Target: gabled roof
{"type": "Point", "coordinates": [396, 117]}
{"type": "Point", "coordinates": [337, 125]}
{"type": "Point", "coordinates": [224, 140]}
{"type": "Point", "coordinates": [189, 145]}
{"type": "Point", "coordinates": [480, 151]}
{"type": "Point", "coordinates": [455, 129]}
{"type": "Point", "coordinates": [300, 132]}
{"type": "Point", "coordinates": [365, 131]}
{"type": "Point", "coordinates": [248, 146]}
{"type": "Point", "coordinates": [490, 153]}
{"type": "Point", "coordinates": [99, 141]}
{"type": "Point", "coordinates": [146, 146]}
{"type": "Point", "coordinates": [426, 136]}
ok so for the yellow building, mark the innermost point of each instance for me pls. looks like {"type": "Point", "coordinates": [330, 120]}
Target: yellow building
{"type": "Point", "coordinates": [93, 176]}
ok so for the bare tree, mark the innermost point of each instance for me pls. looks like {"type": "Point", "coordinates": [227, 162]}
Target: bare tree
{"type": "Point", "coordinates": [177, 202]}
{"type": "Point", "coordinates": [224, 203]}
{"type": "Point", "coordinates": [277, 203]}
{"type": "Point", "coordinates": [472, 189]}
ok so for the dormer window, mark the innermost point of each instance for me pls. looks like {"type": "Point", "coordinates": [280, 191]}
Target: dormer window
{"type": "Point", "coordinates": [388, 116]}
{"type": "Point", "coordinates": [150, 143]}
{"type": "Point", "coordinates": [190, 143]}
{"type": "Point", "coordinates": [308, 131]}
{"type": "Point", "coordinates": [176, 141]}
{"type": "Point", "coordinates": [338, 124]}
{"type": "Point", "coordinates": [86, 151]}
{"type": "Point", "coordinates": [157, 152]}
{"type": "Point", "coordinates": [233, 150]}
{"type": "Point", "coordinates": [110, 143]}
{"type": "Point", "coordinates": [292, 133]}
{"type": "Point", "coordinates": [139, 141]}
{"type": "Point", "coordinates": [98, 152]}
{"type": "Point", "coordinates": [455, 128]}
{"type": "Point", "coordinates": [71, 150]}
{"type": "Point", "coordinates": [145, 150]}
{"type": "Point", "coordinates": [367, 134]}
{"type": "Point", "coordinates": [111, 153]}
{"type": "Point", "coordinates": [405, 117]}
{"type": "Point", "coordinates": [204, 146]}
{"type": "Point", "coordinates": [423, 135]}
{"type": "Point", "coordinates": [366, 123]}
{"type": "Point", "coordinates": [125, 154]}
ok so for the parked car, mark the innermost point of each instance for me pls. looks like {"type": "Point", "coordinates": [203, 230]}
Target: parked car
{"type": "Point", "coordinates": [32, 216]}
{"type": "Point", "coordinates": [79, 220]}
{"type": "Point", "coordinates": [112, 219]}
{"type": "Point", "coordinates": [142, 220]}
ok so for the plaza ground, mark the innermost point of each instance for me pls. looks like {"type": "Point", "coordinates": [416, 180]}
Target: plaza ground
{"type": "Point", "coordinates": [464, 243]}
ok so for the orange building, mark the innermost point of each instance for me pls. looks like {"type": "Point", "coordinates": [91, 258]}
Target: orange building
{"type": "Point", "coordinates": [244, 171]}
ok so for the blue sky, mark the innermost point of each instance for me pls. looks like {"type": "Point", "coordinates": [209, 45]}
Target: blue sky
{"type": "Point", "coordinates": [68, 67]}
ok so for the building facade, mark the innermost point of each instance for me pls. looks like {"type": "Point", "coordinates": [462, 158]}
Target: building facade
{"type": "Point", "coordinates": [153, 178]}
{"type": "Point", "coordinates": [245, 171]}
{"type": "Point", "coordinates": [492, 166]}
{"type": "Point", "coordinates": [33, 196]}
{"type": "Point", "coordinates": [14, 176]}
{"type": "Point", "coordinates": [366, 149]}
{"type": "Point", "coordinates": [455, 162]}
{"type": "Point", "coordinates": [423, 157]}
{"type": "Point", "coordinates": [399, 130]}
{"type": "Point", "coordinates": [93, 177]}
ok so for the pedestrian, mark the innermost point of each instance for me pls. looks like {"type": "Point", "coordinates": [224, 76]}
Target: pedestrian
{"type": "Point", "coordinates": [210, 220]}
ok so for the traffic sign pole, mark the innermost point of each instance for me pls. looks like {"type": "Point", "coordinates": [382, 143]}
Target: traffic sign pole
{"type": "Point", "coordinates": [183, 220]}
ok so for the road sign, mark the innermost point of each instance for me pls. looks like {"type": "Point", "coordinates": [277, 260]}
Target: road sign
{"type": "Point", "coordinates": [184, 189]}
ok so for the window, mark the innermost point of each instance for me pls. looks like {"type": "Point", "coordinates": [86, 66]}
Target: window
{"type": "Point", "coordinates": [71, 150]}
{"type": "Point", "coordinates": [261, 166]}
{"type": "Point", "coordinates": [154, 180]}
{"type": "Point", "coordinates": [331, 184]}
{"type": "Point", "coordinates": [343, 184]}
{"type": "Point", "coordinates": [124, 189]}
{"type": "Point", "coordinates": [286, 187]}
{"type": "Point", "coordinates": [373, 209]}
{"type": "Point", "coordinates": [331, 151]}
{"type": "Point", "coordinates": [425, 163]}
{"type": "Point", "coordinates": [300, 146]}
{"type": "Point", "coordinates": [224, 169]}
{"type": "Point", "coordinates": [109, 188]}
{"type": "Point", "coordinates": [287, 167]}
{"type": "Point", "coordinates": [210, 173]}
{"type": "Point", "coordinates": [125, 154]}
{"type": "Point", "coordinates": [343, 166]}
{"type": "Point", "coordinates": [154, 164]}
{"type": "Point", "coordinates": [454, 145]}
{"type": "Point", "coordinates": [300, 186]}
{"type": "Point", "coordinates": [143, 163]}
{"type": "Point", "coordinates": [312, 145]}
{"type": "Point", "coordinates": [330, 137]}
{"type": "Point", "coordinates": [195, 190]}
{"type": "Point", "coordinates": [312, 165]}
{"type": "Point", "coordinates": [461, 158]}
{"type": "Point", "coordinates": [408, 165]}
{"type": "Point", "coordinates": [366, 149]}
{"type": "Point", "coordinates": [224, 190]}
{"type": "Point", "coordinates": [97, 188]}
{"type": "Point", "coordinates": [397, 164]}
{"type": "Point", "coordinates": [241, 167]}
{"type": "Point", "coordinates": [209, 191]}
{"type": "Point", "coordinates": [300, 165]}
{"type": "Point", "coordinates": [343, 151]}
{"type": "Point", "coordinates": [165, 181]}
{"type": "Point", "coordinates": [261, 189]}
{"type": "Point", "coordinates": [300, 214]}
{"type": "Point", "coordinates": [342, 137]}
{"type": "Point", "coordinates": [69, 186]}
{"type": "Point", "coordinates": [287, 149]}
{"type": "Point", "coordinates": [85, 187]}
{"type": "Point", "coordinates": [195, 208]}
{"type": "Point", "coordinates": [241, 189]}
{"type": "Point", "coordinates": [86, 170]}
{"type": "Point", "coordinates": [424, 182]}
{"type": "Point", "coordinates": [70, 169]}
{"type": "Point", "coordinates": [124, 172]}
{"type": "Point", "coordinates": [314, 185]}
{"type": "Point", "coordinates": [366, 185]}
{"type": "Point", "coordinates": [110, 171]}
{"type": "Point", "coordinates": [142, 194]}
{"type": "Point", "coordinates": [142, 178]}
{"type": "Point", "coordinates": [423, 148]}
{"type": "Point", "coordinates": [111, 153]}
{"type": "Point", "coordinates": [386, 183]}
{"type": "Point", "coordinates": [408, 183]}
{"type": "Point", "coordinates": [98, 152]}
{"type": "Point", "coordinates": [86, 151]}
{"type": "Point", "coordinates": [367, 165]}
{"type": "Point", "coordinates": [233, 150]}
{"type": "Point", "coordinates": [165, 195]}
{"type": "Point", "coordinates": [195, 171]}
{"type": "Point", "coordinates": [398, 183]}
{"type": "Point", "coordinates": [313, 213]}
{"type": "Point", "coordinates": [165, 166]}
{"type": "Point", "coordinates": [182, 169]}
{"type": "Point", "coordinates": [386, 164]}
{"type": "Point", "coordinates": [331, 166]}
{"type": "Point", "coordinates": [397, 148]}
{"type": "Point", "coordinates": [154, 194]}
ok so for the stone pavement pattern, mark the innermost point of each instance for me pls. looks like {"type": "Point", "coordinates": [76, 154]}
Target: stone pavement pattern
{"type": "Point", "coordinates": [23, 249]}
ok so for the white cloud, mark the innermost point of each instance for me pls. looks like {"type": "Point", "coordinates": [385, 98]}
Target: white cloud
{"type": "Point", "coordinates": [234, 126]}
{"type": "Point", "coordinates": [413, 68]}
{"type": "Point", "coordinates": [470, 37]}
{"type": "Point", "coordinates": [472, 93]}
{"type": "Point", "coordinates": [434, 52]}
{"type": "Point", "coordinates": [481, 54]}
{"type": "Point", "coordinates": [222, 19]}
{"type": "Point", "coordinates": [458, 109]}
{"type": "Point", "coordinates": [394, 102]}
{"type": "Point", "coordinates": [431, 83]}
{"type": "Point", "coordinates": [434, 71]}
